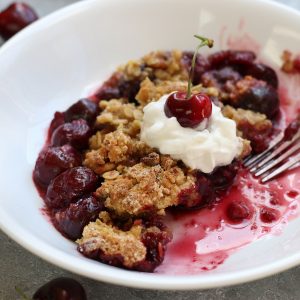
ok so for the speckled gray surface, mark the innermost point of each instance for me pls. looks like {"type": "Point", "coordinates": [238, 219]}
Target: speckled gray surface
{"type": "Point", "coordinates": [20, 268]}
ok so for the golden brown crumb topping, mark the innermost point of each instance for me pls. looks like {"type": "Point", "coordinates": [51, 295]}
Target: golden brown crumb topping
{"type": "Point", "coordinates": [152, 91]}
{"type": "Point", "coordinates": [258, 121]}
{"type": "Point", "coordinates": [143, 188]}
{"type": "Point", "coordinates": [112, 241]}
{"type": "Point", "coordinates": [117, 114]}
{"type": "Point", "coordinates": [111, 149]}
{"type": "Point", "coordinates": [162, 65]}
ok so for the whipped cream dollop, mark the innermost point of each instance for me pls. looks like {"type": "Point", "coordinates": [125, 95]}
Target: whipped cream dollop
{"type": "Point", "coordinates": [211, 144]}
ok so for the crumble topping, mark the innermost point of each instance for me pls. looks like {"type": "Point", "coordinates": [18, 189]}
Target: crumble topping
{"type": "Point", "coordinates": [112, 149]}
{"type": "Point", "coordinates": [152, 91]}
{"type": "Point", "coordinates": [143, 188]}
{"type": "Point", "coordinates": [162, 65]}
{"type": "Point", "coordinates": [111, 241]}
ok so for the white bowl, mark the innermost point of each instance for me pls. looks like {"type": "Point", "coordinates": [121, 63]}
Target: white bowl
{"type": "Point", "coordinates": [48, 66]}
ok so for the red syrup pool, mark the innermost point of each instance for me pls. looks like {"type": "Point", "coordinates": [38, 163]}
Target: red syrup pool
{"type": "Point", "coordinates": [203, 239]}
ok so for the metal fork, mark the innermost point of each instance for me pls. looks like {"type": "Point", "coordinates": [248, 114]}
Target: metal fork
{"type": "Point", "coordinates": [282, 153]}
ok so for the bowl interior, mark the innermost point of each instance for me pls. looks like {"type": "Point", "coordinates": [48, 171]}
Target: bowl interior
{"type": "Point", "coordinates": [50, 65]}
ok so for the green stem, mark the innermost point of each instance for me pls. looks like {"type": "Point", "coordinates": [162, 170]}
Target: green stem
{"type": "Point", "coordinates": [204, 42]}
{"type": "Point", "coordinates": [21, 293]}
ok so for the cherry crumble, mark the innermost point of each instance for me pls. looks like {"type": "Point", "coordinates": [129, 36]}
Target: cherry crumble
{"type": "Point", "coordinates": [113, 194]}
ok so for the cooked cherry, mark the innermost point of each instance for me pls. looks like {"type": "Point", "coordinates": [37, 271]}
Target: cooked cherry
{"type": "Point", "coordinates": [61, 289]}
{"type": "Point", "coordinates": [72, 220]}
{"type": "Point", "coordinates": [54, 160]}
{"type": "Point", "coordinates": [202, 65]}
{"type": "Point", "coordinates": [238, 211]}
{"type": "Point", "coordinates": [14, 18]}
{"type": "Point", "coordinates": [218, 78]}
{"type": "Point", "coordinates": [109, 89]}
{"type": "Point", "coordinates": [129, 88]}
{"type": "Point", "coordinates": [269, 215]}
{"type": "Point", "coordinates": [188, 112]}
{"type": "Point", "coordinates": [201, 195]}
{"type": "Point", "coordinates": [82, 109]}
{"type": "Point", "coordinates": [262, 72]}
{"type": "Point", "coordinates": [156, 245]}
{"type": "Point", "coordinates": [76, 133]}
{"type": "Point", "coordinates": [260, 98]}
{"type": "Point", "coordinates": [70, 186]}
{"type": "Point", "coordinates": [118, 87]}
{"type": "Point", "coordinates": [292, 128]}
{"type": "Point", "coordinates": [223, 177]}
{"type": "Point", "coordinates": [231, 57]}
{"type": "Point", "coordinates": [296, 63]}
{"type": "Point", "coordinates": [59, 119]}
{"type": "Point", "coordinates": [259, 139]}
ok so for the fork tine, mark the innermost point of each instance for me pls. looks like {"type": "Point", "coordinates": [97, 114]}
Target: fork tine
{"type": "Point", "coordinates": [253, 159]}
{"type": "Point", "coordinates": [276, 152]}
{"type": "Point", "coordinates": [292, 161]}
{"type": "Point", "coordinates": [278, 160]}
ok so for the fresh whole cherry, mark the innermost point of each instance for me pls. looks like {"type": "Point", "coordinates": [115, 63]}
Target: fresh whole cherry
{"type": "Point", "coordinates": [188, 112]}
{"type": "Point", "coordinates": [54, 160]}
{"type": "Point", "coordinates": [69, 186]}
{"type": "Point", "coordinates": [14, 18]}
{"type": "Point", "coordinates": [76, 133]}
{"type": "Point", "coordinates": [61, 289]}
{"type": "Point", "coordinates": [71, 221]}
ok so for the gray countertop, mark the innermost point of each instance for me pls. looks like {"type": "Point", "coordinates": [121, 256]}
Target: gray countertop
{"type": "Point", "coordinates": [28, 272]}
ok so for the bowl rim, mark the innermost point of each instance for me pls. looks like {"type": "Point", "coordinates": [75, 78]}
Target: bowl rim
{"type": "Point", "coordinates": [115, 275]}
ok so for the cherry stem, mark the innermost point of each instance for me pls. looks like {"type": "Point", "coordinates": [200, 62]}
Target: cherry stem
{"type": "Point", "coordinates": [21, 293]}
{"type": "Point", "coordinates": [204, 42]}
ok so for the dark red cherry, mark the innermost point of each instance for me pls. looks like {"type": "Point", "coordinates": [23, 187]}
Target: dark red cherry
{"type": "Point", "coordinates": [14, 18]}
{"type": "Point", "coordinates": [292, 128]}
{"type": "Point", "coordinates": [58, 119]}
{"type": "Point", "coordinates": [156, 245]}
{"type": "Point", "coordinates": [198, 196]}
{"type": "Point", "coordinates": [54, 160]}
{"type": "Point", "coordinates": [296, 63]}
{"type": "Point", "coordinates": [76, 133]}
{"type": "Point", "coordinates": [70, 186]}
{"type": "Point", "coordinates": [188, 112]}
{"type": "Point", "coordinates": [269, 215]}
{"type": "Point", "coordinates": [260, 98]}
{"type": "Point", "coordinates": [61, 289]}
{"type": "Point", "coordinates": [238, 211]}
{"type": "Point", "coordinates": [71, 221]}
{"type": "Point", "coordinates": [82, 109]}
{"type": "Point", "coordinates": [218, 78]}
{"type": "Point", "coordinates": [231, 57]}
{"type": "Point", "coordinates": [262, 72]}
{"type": "Point", "coordinates": [223, 177]}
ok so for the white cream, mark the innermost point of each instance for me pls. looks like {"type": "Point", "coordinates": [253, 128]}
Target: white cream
{"type": "Point", "coordinates": [217, 145]}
